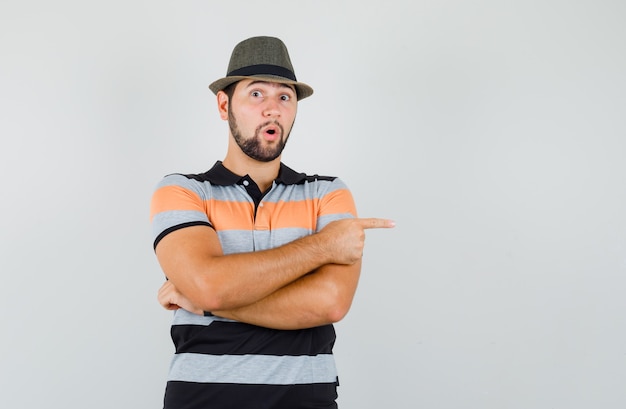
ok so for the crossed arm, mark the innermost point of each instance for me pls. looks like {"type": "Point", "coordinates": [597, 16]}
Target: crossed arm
{"type": "Point", "coordinates": [308, 282]}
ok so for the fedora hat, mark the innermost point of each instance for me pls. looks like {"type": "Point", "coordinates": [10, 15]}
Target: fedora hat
{"type": "Point", "coordinates": [264, 58]}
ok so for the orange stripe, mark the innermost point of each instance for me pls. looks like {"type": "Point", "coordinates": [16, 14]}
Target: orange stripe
{"type": "Point", "coordinates": [169, 198]}
{"type": "Point", "coordinates": [339, 201]}
{"type": "Point", "coordinates": [227, 215]}
{"type": "Point", "coordinates": [304, 213]}
{"type": "Point", "coordinates": [301, 214]}
{"type": "Point", "coordinates": [230, 215]}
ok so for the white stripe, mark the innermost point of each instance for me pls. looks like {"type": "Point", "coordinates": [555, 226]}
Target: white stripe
{"type": "Point", "coordinates": [253, 369]}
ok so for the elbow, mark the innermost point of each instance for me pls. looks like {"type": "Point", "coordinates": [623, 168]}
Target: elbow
{"type": "Point", "coordinates": [336, 304]}
{"type": "Point", "coordinates": [208, 296]}
{"type": "Point", "coordinates": [336, 314]}
{"type": "Point", "coordinates": [211, 303]}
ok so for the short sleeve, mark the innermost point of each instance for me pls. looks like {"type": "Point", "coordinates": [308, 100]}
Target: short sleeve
{"type": "Point", "coordinates": [177, 202]}
{"type": "Point", "coordinates": [336, 203]}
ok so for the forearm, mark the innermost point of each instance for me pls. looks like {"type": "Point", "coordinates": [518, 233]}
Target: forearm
{"type": "Point", "coordinates": [215, 281]}
{"type": "Point", "coordinates": [320, 298]}
{"type": "Point", "coordinates": [193, 260]}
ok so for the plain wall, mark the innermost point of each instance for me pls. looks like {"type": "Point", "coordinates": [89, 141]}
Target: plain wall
{"type": "Point", "coordinates": [493, 132]}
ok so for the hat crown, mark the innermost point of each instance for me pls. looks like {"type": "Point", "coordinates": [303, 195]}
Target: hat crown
{"type": "Point", "coordinates": [260, 51]}
{"type": "Point", "coordinates": [262, 58]}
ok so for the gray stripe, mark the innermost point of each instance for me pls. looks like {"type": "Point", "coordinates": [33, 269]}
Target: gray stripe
{"type": "Point", "coordinates": [236, 241]}
{"type": "Point", "coordinates": [253, 369]}
{"type": "Point", "coordinates": [324, 220]}
{"type": "Point", "coordinates": [176, 180]}
{"type": "Point", "coordinates": [309, 190]}
{"type": "Point", "coordinates": [240, 241]}
{"type": "Point", "coordinates": [184, 317]}
{"type": "Point", "coordinates": [165, 220]}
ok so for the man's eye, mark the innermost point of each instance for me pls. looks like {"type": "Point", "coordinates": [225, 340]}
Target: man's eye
{"type": "Point", "coordinates": [256, 94]}
{"type": "Point", "coordinates": [285, 97]}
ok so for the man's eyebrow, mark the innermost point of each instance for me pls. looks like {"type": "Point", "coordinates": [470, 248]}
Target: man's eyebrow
{"type": "Point", "coordinates": [280, 84]}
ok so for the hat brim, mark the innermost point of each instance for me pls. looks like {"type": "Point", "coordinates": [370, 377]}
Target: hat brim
{"type": "Point", "coordinates": [303, 90]}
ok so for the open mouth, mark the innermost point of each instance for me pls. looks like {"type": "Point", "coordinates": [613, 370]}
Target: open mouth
{"type": "Point", "coordinates": [271, 132]}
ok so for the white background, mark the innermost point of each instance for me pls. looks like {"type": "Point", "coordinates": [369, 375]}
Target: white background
{"type": "Point", "coordinates": [493, 132]}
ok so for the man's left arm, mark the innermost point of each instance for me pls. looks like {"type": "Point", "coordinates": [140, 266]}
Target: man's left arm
{"type": "Point", "coordinates": [319, 298]}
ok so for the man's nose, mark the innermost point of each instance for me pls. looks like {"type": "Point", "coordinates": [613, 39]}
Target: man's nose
{"type": "Point", "coordinates": [271, 108]}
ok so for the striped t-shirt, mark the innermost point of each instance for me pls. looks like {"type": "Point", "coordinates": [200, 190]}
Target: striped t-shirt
{"type": "Point", "coordinates": [224, 363]}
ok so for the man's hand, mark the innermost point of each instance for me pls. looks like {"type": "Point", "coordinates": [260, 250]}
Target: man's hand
{"type": "Point", "coordinates": [171, 299]}
{"type": "Point", "coordinates": [345, 238]}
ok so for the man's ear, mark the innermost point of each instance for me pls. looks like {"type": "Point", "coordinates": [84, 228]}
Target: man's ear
{"type": "Point", "coordinates": [222, 105]}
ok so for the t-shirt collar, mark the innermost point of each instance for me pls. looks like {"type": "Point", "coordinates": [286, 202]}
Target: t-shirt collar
{"type": "Point", "coordinates": [220, 175]}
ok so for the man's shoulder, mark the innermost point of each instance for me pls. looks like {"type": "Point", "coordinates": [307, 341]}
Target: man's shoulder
{"type": "Point", "coordinates": [217, 175]}
{"type": "Point", "coordinates": [180, 179]}
{"type": "Point", "coordinates": [289, 176]}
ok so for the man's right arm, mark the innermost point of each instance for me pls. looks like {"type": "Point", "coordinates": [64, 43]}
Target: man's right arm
{"type": "Point", "coordinates": [193, 261]}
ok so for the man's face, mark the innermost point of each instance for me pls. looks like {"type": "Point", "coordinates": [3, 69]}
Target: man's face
{"type": "Point", "coordinates": [260, 117]}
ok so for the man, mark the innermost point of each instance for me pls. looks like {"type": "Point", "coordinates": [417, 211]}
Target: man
{"type": "Point", "coordinates": [260, 260]}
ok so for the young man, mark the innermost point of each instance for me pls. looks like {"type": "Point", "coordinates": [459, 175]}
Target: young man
{"type": "Point", "coordinates": [260, 260]}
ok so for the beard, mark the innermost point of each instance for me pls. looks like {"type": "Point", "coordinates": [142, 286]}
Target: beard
{"type": "Point", "coordinates": [253, 147]}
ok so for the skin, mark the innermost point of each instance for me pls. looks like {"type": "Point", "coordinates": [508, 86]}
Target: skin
{"type": "Point", "coordinates": [306, 283]}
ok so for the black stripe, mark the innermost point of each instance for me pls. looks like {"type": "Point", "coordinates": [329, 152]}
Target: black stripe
{"type": "Point", "coordinates": [178, 227]}
{"type": "Point", "coordinates": [188, 395]}
{"type": "Point", "coordinates": [236, 338]}
{"type": "Point", "coordinates": [219, 175]}
{"type": "Point", "coordinates": [261, 69]}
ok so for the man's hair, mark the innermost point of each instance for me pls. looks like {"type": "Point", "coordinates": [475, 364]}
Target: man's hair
{"type": "Point", "coordinates": [230, 90]}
